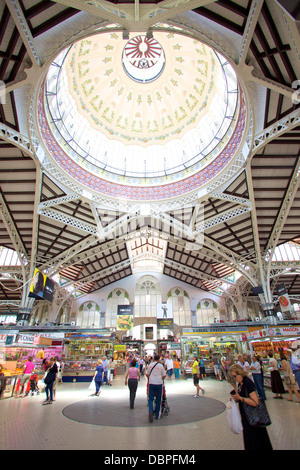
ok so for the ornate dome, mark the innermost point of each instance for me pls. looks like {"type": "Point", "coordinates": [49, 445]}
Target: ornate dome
{"type": "Point", "coordinates": [145, 112]}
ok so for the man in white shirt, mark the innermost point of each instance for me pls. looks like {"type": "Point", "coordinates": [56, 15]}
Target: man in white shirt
{"type": "Point", "coordinates": [169, 367]}
{"type": "Point", "coordinates": [156, 375]}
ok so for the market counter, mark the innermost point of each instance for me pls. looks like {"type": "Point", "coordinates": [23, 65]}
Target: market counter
{"type": "Point", "coordinates": [9, 384]}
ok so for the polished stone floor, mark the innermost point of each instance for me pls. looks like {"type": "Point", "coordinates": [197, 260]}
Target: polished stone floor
{"type": "Point", "coordinates": [79, 421]}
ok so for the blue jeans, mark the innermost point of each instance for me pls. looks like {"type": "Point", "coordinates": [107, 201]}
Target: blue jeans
{"type": "Point", "coordinates": [259, 384]}
{"type": "Point", "coordinates": [97, 384]}
{"type": "Point", "coordinates": [155, 390]}
{"type": "Point", "coordinates": [297, 376]}
{"type": "Point", "coordinates": [49, 391]}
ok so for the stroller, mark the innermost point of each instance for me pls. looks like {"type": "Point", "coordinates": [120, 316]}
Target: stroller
{"type": "Point", "coordinates": [165, 409]}
{"type": "Point", "coordinates": [33, 385]}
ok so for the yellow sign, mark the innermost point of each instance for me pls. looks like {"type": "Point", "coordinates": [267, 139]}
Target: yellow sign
{"type": "Point", "coordinates": [120, 347]}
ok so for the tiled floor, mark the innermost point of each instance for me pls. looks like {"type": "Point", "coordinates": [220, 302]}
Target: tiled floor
{"type": "Point", "coordinates": [26, 424]}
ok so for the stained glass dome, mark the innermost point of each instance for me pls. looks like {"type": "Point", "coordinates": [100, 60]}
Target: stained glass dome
{"type": "Point", "coordinates": [144, 118]}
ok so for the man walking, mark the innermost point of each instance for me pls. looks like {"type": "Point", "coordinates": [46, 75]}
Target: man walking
{"type": "Point", "coordinates": [156, 375]}
{"type": "Point", "coordinates": [105, 363]}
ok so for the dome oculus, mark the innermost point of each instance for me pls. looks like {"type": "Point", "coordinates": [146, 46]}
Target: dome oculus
{"type": "Point", "coordinates": [143, 59]}
{"type": "Point", "coordinates": [148, 112]}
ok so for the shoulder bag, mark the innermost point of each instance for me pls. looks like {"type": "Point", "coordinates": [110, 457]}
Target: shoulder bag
{"type": "Point", "coordinates": [257, 416]}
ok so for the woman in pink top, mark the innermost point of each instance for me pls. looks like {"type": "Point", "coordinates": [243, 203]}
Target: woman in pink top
{"type": "Point", "coordinates": [132, 377]}
{"type": "Point", "coordinates": [27, 372]}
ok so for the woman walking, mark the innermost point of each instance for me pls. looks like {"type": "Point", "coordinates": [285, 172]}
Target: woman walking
{"type": "Point", "coordinates": [132, 377]}
{"type": "Point", "coordinates": [49, 380]}
{"type": "Point", "coordinates": [98, 377]}
{"type": "Point", "coordinates": [276, 382]}
{"type": "Point", "coordinates": [289, 378]}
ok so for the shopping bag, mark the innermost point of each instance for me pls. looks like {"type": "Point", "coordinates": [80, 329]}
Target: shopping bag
{"type": "Point", "coordinates": [234, 417]}
{"type": "Point", "coordinates": [92, 386]}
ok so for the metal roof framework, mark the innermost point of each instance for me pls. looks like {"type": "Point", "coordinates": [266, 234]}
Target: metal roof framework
{"type": "Point", "coordinates": [61, 231]}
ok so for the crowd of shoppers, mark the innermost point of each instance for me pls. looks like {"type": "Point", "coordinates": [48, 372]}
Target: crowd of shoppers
{"type": "Point", "coordinates": [244, 373]}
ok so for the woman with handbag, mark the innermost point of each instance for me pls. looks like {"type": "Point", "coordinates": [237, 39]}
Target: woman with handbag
{"type": "Point", "coordinates": [255, 438]}
{"type": "Point", "coordinates": [289, 378]}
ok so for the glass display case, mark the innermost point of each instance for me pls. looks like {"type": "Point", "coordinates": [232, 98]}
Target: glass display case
{"type": "Point", "coordinates": [81, 357]}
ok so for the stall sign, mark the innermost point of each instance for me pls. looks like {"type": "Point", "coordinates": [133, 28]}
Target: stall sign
{"type": "Point", "coordinates": [125, 317]}
{"type": "Point", "coordinates": [25, 338]}
{"type": "Point", "coordinates": [42, 341]}
{"type": "Point", "coordinates": [276, 331]}
{"type": "Point", "coordinates": [10, 340]}
{"type": "Point", "coordinates": [3, 337]}
{"type": "Point", "coordinates": [213, 330]}
{"type": "Point", "coordinates": [284, 331]}
{"type": "Point", "coordinates": [120, 347]}
{"type": "Point", "coordinates": [164, 314]}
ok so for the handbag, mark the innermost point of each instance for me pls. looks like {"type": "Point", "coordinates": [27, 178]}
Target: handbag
{"type": "Point", "coordinates": [92, 386]}
{"type": "Point", "coordinates": [257, 416]}
{"type": "Point", "coordinates": [234, 417]}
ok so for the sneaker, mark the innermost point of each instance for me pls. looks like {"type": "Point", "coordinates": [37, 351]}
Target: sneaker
{"type": "Point", "coordinates": [196, 396]}
{"type": "Point", "coordinates": [151, 416]}
{"type": "Point", "coordinates": [47, 402]}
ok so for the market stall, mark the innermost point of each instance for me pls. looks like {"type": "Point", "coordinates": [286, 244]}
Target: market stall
{"type": "Point", "coordinates": [16, 348]}
{"type": "Point", "coordinates": [81, 354]}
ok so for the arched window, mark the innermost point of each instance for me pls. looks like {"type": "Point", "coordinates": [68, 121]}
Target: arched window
{"type": "Point", "coordinates": [115, 297]}
{"type": "Point", "coordinates": [180, 302]}
{"type": "Point", "coordinates": [88, 315]}
{"type": "Point", "coordinates": [207, 312]}
{"type": "Point", "coordinates": [147, 297]}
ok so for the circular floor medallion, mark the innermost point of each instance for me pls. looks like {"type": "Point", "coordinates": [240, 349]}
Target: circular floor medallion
{"type": "Point", "coordinates": [102, 411]}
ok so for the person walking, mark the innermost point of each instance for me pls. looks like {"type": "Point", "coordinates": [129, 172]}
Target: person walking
{"type": "Point", "coordinates": [169, 367]}
{"type": "Point", "coordinates": [258, 377]}
{"type": "Point", "coordinates": [295, 365]}
{"type": "Point", "coordinates": [255, 438]}
{"type": "Point", "coordinates": [289, 378]}
{"type": "Point", "coordinates": [105, 363]}
{"type": "Point", "coordinates": [55, 383]}
{"type": "Point", "coordinates": [222, 367]}
{"type": "Point", "coordinates": [49, 380]}
{"type": "Point", "coordinates": [229, 362]}
{"type": "Point", "coordinates": [202, 368]}
{"type": "Point", "coordinates": [156, 375]}
{"type": "Point", "coordinates": [98, 377]}
{"type": "Point", "coordinates": [176, 364]}
{"type": "Point", "coordinates": [111, 371]}
{"type": "Point", "coordinates": [27, 372]}
{"type": "Point", "coordinates": [215, 363]}
{"type": "Point", "coordinates": [276, 381]}
{"type": "Point", "coordinates": [196, 376]}
{"type": "Point", "coordinates": [132, 377]}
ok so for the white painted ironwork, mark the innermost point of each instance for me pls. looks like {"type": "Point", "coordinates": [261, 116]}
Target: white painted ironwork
{"type": "Point", "coordinates": [284, 124]}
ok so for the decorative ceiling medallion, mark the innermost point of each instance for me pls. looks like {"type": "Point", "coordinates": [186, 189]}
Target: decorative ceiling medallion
{"type": "Point", "coordinates": [146, 119]}
{"type": "Point", "coordinates": [143, 59]}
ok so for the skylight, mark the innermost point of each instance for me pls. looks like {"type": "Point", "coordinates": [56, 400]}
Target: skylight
{"type": "Point", "coordinates": [152, 110]}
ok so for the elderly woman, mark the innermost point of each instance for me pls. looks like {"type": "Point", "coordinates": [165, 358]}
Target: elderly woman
{"type": "Point", "coordinates": [254, 438]}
